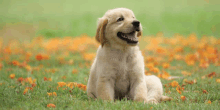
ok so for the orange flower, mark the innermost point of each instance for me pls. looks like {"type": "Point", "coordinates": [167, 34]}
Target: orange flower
{"type": "Point", "coordinates": [89, 56]}
{"type": "Point", "coordinates": [212, 74]}
{"type": "Point", "coordinates": [1, 66]}
{"type": "Point", "coordinates": [33, 84]}
{"type": "Point", "coordinates": [29, 79]}
{"type": "Point", "coordinates": [15, 63]}
{"type": "Point", "coordinates": [39, 57]}
{"type": "Point", "coordinates": [209, 102]}
{"type": "Point", "coordinates": [81, 86]}
{"type": "Point", "coordinates": [149, 65]}
{"type": "Point", "coordinates": [204, 91]}
{"type": "Point", "coordinates": [166, 65]}
{"type": "Point", "coordinates": [28, 67]}
{"type": "Point", "coordinates": [26, 90]}
{"type": "Point", "coordinates": [161, 50]}
{"type": "Point", "coordinates": [51, 105]}
{"type": "Point", "coordinates": [185, 73]}
{"type": "Point", "coordinates": [20, 79]}
{"type": "Point", "coordinates": [155, 70]}
{"type": "Point", "coordinates": [54, 93]}
{"type": "Point", "coordinates": [72, 84]}
{"type": "Point", "coordinates": [164, 75]}
{"type": "Point", "coordinates": [61, 84]}
{"type": "Point", "coordinates": [218, 80]}
{"type": "Point", "coordinates": [12, 76]}
{"type": "Point", "coordinates": [45, 78]}
{"type": "Point", "coordinates": [50, 94]}
{"type": "Point", "coordinates": [179, 89]}
{"type": "Point", "coordinates": [183, 98]}
{"type": "Point", "coordinates": [189, 82]}
{"type": "Point", "coordinates": [28, 54]}
{"type": "Point", "coordinates": [63, 77]}
{"type": "Point", "coordinates": [74, 71]}
{"type": "Point", "coordinates": [174, 83]}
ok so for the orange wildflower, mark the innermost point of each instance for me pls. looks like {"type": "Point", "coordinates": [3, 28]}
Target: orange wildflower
{"type": "Point", "coordinates": [50, 94]}
{"type": "Point", "coordinates": [81, 86]}
{"type": "Point", "coordinates": [20, 79]}
{"type": "Point", "coordinates": [185, 73]}
{"type": "Point", "coordinates": [45, 78]}
{"type": "Point", "coordinates": [54, 93]}
{"type": "Point", "coordinates": [212, 74]}
{"type": "Point", "coordinates": [189, 82]}
{"type": "Point", "coordinates": [28, 67]}
{"type": "Point", "coordinates": [204, 91]}
{"type": "Point", "coordinates": [12, 76]}
{"type": "Point", "coordinates": [179, 89]}
{"type": "Point", "coordinates": [174, 83]}
{"type": "Point", "coordinates": [29, 79]}
{"type": "Point", "coordinates": [89, 56]}
{"type": "Point", "coordinates": [183, 98]}
{"type": "Point", "coordinates": [63, 77]}
{"type": "Point", "coordinates": [15, 63]}
{"type": "Point", "coordinates": [218, 80]}
{"type": "Point", "coordinates": [166, 65]}
{"type": "Point", "coordinates": [164, 75]}
{"type": "Point", "coordinates": [71, 84]}
{"type": "Point", "coordinates": [39, 57]}
{"type": "Point", "coordinates": [7, 50]}
{"type": "Point", "coordinates": [51, 105]}
{"type": "Point", "coordinates": [155, 70]}
{"type": "Point", "coordinates": [160, 50]}
{"type": "Point", "coordinates": [149, 65]}
{"type": "Point", "coordinates": [26, 90]}
{"type": "Point", "coordinates": [209, 102]}
{"type": "Point", "coordinates": [61, 84]}
{"type": "Point", "coordinates": [74, 71]}
{"type": "Point", "coordinates": [1, 66]}
{"type": "Point", "coordinates": [33, 85]}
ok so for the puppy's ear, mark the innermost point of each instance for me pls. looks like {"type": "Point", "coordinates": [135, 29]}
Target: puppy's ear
{"type": "Point", "coordinates": [139, 34]}
{"type": "Point", "coordinates": [100, 32]}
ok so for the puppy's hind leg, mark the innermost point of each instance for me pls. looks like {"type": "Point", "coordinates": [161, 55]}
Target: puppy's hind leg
{"type": "Point", "coordinates": [155, 90]}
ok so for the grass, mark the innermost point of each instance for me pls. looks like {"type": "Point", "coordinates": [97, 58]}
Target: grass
{"type": "Point", "coordinates": [63, 60]}
{"type": "Point", "coordinates": [54, 18]}
{"type": "Point", "coordinates": [22, 20]}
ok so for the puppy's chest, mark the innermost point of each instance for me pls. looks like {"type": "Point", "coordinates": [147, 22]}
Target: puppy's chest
{"type": "Point", "coordinates": [122, 80]}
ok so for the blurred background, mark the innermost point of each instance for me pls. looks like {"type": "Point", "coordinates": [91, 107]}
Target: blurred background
{"type": "Point", "coordinates": [58, 18]}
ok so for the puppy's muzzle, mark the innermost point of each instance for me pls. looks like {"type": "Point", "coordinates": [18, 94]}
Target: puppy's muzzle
{"type": "Point", "coordinates": [136, 25]}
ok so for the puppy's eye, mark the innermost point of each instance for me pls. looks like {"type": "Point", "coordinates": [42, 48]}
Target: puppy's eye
{"type": "Point", "coordinates": [120, 19]}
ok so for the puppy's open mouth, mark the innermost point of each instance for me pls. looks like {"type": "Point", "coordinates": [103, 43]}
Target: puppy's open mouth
{"type": "Point", "coordinates": [129, 37]}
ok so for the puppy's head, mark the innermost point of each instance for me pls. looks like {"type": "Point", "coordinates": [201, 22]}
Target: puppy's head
{"type": "Point", "coordinates": [119, 27]}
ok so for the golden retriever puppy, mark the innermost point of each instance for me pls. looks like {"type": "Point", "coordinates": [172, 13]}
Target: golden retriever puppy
{"type": "Point", "coordinates": [118, 69]}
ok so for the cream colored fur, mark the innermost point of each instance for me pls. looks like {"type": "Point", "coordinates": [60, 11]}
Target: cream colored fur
{"type": "Point", "coordinates": [118, 69]}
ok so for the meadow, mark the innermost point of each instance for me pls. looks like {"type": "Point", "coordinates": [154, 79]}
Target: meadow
{"type": "Point", "coordinates": [47, 48]}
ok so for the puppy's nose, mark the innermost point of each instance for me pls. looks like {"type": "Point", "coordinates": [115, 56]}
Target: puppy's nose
{"type": "Point", "coordinates": [136, 23]}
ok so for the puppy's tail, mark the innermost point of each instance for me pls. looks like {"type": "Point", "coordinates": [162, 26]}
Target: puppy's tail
{"type": "Point", "coordinates": [165, 98]}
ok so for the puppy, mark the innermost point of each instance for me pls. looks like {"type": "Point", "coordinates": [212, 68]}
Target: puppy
{"type": "Point", "coordinates": [118, 69]}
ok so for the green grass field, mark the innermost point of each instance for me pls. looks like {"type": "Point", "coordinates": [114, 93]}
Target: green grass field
{"type": "Point", "coordinates": [31, 67]}
{"type": "Point", "coordinates": [54, 18]}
